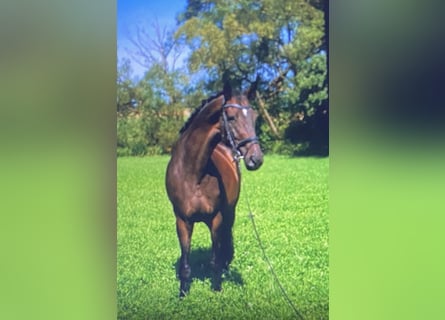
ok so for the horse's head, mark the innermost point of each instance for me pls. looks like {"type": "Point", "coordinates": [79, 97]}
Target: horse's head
{"type": "Point", "coordinates": [239, 128]}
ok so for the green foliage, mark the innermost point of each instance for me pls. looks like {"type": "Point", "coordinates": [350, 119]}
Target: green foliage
{"type": "Point", "coordinates": [282, 42]}
{"type": "Point", "coordinates": [248, 38]}
{"type": "Point", "coordinates": [131, 139]}
{"type": "Point", "coordinates": [279, 44]}
{"type": "Point", "coordinates": [308, 89]}
{"type": "Point", "coordinates": [288, 197]}
{"type": "Point", "coordinates": [125, 92]}
{"type": "Point", "coordinates": [285, 147]}
{"type": "Point", "coordinates": [141, 134]}
{"type": "Point", "coordinates": [150, 121]}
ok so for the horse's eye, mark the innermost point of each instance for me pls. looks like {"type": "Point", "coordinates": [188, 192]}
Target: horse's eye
{"type": "Point", "coordinates": [231, 118]}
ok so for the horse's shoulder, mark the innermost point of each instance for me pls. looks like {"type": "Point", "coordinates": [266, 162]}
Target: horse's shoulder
{"type": "Point", "coordinates": [227, 167]}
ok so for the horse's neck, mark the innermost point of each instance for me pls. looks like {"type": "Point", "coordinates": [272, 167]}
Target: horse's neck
{"type": "Point", "coordinates": [197, 143]}
{"type": "Point", "coordinates": [196, 150]}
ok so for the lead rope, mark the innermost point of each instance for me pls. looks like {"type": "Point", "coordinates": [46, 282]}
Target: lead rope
{"type": "Point", "coordinates": [260, 243]}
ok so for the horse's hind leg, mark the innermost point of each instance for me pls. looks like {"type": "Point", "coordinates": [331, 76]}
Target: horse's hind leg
{"type": "Point", "coordinates": [184, 230]}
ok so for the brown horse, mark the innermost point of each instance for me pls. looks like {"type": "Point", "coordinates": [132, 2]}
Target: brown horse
{"type": "Point", "coordinates": [203, 177]}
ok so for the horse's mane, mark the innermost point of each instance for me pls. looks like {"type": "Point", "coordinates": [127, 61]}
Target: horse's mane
{"type": "Point", "coordinates": [235, 93]}
{"type": "Point", "coordinates": [196, 111]}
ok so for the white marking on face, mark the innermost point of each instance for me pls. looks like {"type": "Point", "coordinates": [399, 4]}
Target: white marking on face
{"type": "Point", "coordinates": [245, 112]}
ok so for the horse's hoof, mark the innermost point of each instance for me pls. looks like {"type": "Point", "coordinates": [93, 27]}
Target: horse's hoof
{"type": "Point", "coordinates": [217, 289]}
{"type": "Point", "coordinates": [184, 290]}
{"type": "Point", "coordinates": [216, 286]}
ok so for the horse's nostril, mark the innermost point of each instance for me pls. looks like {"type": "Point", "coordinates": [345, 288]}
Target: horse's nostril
{"type": "Point", "coordinates": [253, 163]}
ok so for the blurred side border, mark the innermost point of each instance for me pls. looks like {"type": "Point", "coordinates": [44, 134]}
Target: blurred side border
{"type": "Point", "coordinates": [58, 164]}
{"type": "Point", "coordinates": [386, 163]}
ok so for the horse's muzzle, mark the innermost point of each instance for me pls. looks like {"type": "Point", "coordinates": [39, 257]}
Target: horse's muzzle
{"type": "Point", "coordinates": [254, 157]}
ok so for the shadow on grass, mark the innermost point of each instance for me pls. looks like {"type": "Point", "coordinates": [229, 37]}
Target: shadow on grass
{"type": "Point", "coordinates": [202, 270]}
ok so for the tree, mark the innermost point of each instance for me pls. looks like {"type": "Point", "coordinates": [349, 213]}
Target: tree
{"type": "Point", "coordinates": [125, 88]}
{"type": "Point", "coordinates": [281, 44]}
{"type": "Point", "coordinates": [157, 47]}
{"type": "Point", "coordinates": [156, 101]}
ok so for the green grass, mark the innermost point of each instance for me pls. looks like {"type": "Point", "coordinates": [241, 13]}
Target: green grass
{"type": "Point", "coordinates": [289, 198]}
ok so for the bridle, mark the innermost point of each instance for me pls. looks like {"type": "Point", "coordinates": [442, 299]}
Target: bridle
{"type": "Point", "coordinates": [237, 155]}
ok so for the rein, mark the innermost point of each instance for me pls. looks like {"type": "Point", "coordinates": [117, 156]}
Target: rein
{"type": "Point", "coordinates": [237, 155]}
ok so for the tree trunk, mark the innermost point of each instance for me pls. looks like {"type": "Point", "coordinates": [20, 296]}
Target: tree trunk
{"type": "Point", "coordinates": [266, 115]}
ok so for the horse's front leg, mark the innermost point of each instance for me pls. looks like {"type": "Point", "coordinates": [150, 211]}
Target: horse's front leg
{"type": "Point", "coordinates": [184, 230]}
{"type": "Point", "coordinates": [216, 262]}
{"type": "Point", "coordinates": [222, 246]}
{"type": "Point", "coordinates": [226, 238]}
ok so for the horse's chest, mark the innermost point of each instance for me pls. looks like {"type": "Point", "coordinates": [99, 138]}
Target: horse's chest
{"type": "Point", "coordinates": [207, 195]}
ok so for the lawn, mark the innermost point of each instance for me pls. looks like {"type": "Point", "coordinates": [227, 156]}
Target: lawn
{"type": "Point", "coordinates": [289, 199]}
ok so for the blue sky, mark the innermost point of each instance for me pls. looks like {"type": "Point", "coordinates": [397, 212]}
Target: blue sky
{"type": "Point", "coordinates": [133, 13]}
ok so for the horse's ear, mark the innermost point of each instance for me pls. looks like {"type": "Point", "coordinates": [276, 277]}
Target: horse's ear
{"type": "Point", "coordinates": [227, 90]}
{"type": "Point", "coordinates": [251, 91]}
